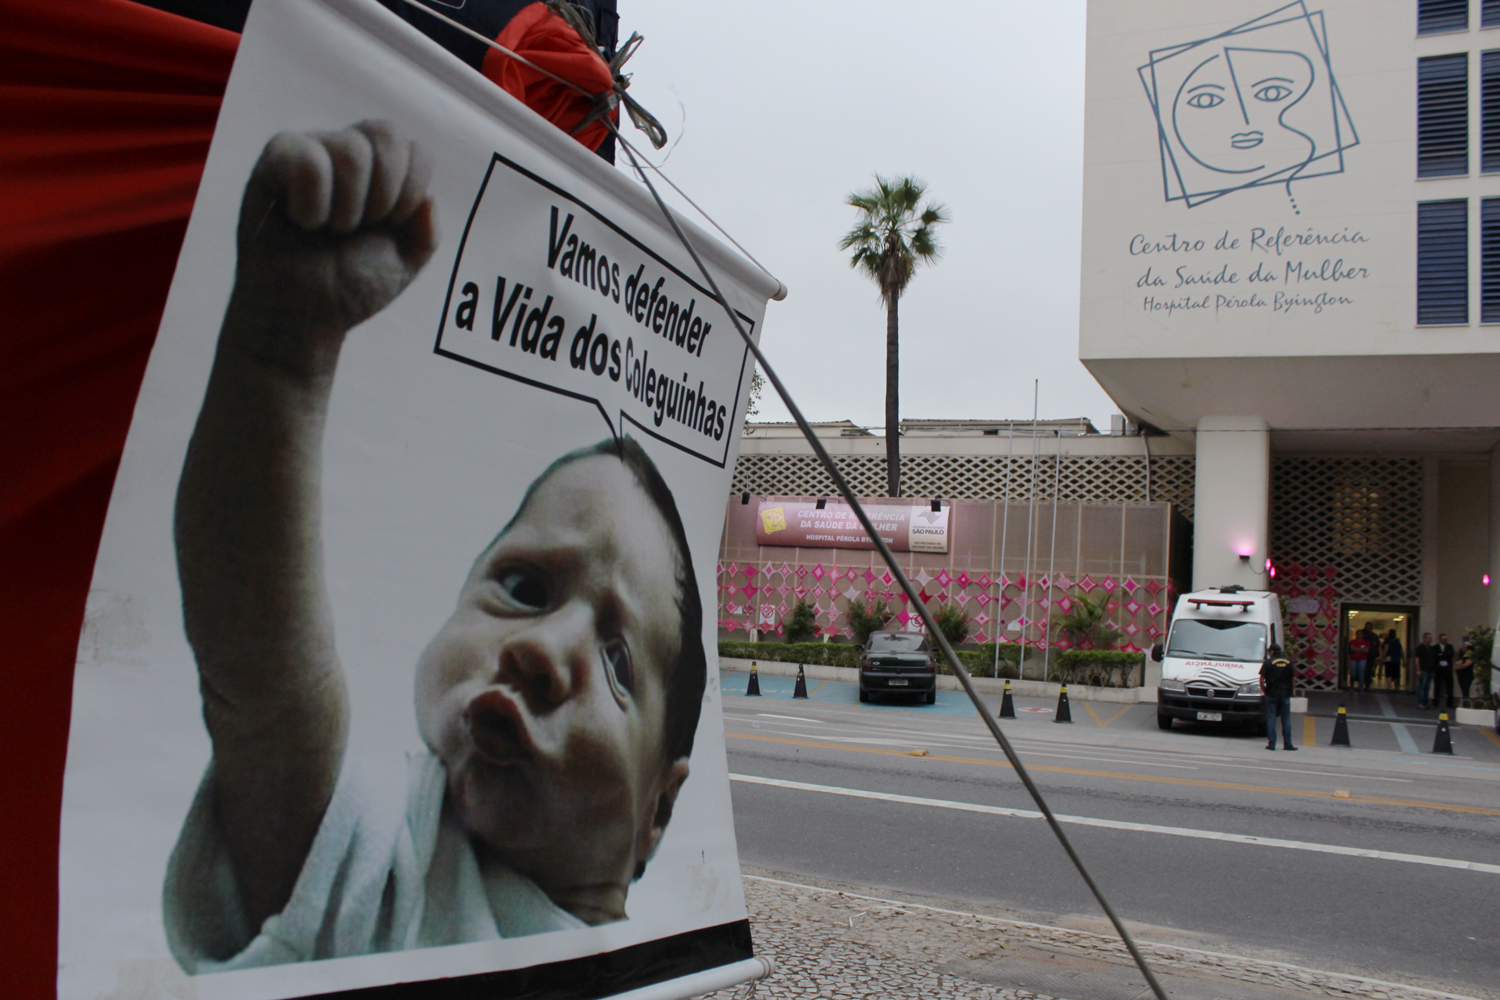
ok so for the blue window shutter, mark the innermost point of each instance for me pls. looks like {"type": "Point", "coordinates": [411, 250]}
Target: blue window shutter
{"type": "Point", "coordinates": [1443, 15]}
{"type": "Point", "coordinates": [1489, 13]}
{"type": "Point", "coordinates": [1489, 261]}
{"type": "Point", "coordinates": [1443, 261]}
{"type": "Point", "coordinates": [1489, 110]}
{"type": "Point", "coordinates": [1443, 115]}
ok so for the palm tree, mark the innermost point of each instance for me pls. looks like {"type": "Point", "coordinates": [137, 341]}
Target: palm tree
{"type": "Point", "coordinates": [892, 237]}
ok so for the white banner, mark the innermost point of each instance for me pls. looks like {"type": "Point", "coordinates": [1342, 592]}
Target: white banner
{"type": "Point", "coordinates": [419, 513]}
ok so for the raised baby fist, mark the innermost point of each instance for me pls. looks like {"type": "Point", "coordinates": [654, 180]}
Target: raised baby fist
{"type": "Point", "coordinates": [333, 226]}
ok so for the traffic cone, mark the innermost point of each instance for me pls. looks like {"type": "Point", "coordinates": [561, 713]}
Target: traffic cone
{"type": "Point", "coordinates": [752, 690]}
{"type": "Point", "coordinates": [1063, 713]}
{"type": "Point", "coordinates": [1007, 704]}
{"type": "Point", "coordinates": [1443, 743]}
{"type": "Point", "coordinates": [1341, 730]}
{"type": "Point", "coordinates": [800, 691]}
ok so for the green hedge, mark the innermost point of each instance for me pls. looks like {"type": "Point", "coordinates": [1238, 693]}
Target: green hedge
{"type": "Point", "coordinates": [980, 661]}
{"type": "Point", "coordinates": [1098, 667]}
{"type": "Point", "coordinates": [828, 654]}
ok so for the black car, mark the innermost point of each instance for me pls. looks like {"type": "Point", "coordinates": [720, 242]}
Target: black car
{"type": "Point", "coordinates": [898, 663]}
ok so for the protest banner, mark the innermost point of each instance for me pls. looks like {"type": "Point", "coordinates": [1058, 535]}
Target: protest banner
{"type": "Point", "coordinates": [395, 668]}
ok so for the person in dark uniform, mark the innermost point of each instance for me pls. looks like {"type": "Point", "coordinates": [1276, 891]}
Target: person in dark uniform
{"type": "Point", "coordinates": [1442, 678]}
{"type": "Point", "coordinates": [1393, 655]}
{"type": "Point", "coordinates": [1463, 671]}
{"type": "Point", "coordinates": [1276, 677]}
{"type": "Point", "coordinates": [1427, 657]}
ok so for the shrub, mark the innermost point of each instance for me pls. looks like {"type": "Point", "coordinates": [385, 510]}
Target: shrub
{"type": "Point", "coordinates": [800, 625]}
{"type": "Point", "coordinates": [981, 662]}
{"type": "Point", "coordinates": [865, 618]}
{"type": "Point", "coordinates": [952, 622]}
{"type": "Point", "coordinates": [1087, 621]}
{"type": "Point", "coordinates": [1098, 667]}
{"type": "Point", "coordinates": [1481, 643]}
{"type": "Point", "coordinates": [825, 653]}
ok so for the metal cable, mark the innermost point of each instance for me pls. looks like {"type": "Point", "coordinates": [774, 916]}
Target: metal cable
{"type": "Point", "coordinates": [848, 494]}
{"type": "Point", "coordinates": [906, 585]}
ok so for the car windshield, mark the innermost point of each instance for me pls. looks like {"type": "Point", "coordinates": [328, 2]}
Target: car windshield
{"type": "Point", "coordinates": [898, 644]}
{"type": "Point", "coordinates": [1218, 640]}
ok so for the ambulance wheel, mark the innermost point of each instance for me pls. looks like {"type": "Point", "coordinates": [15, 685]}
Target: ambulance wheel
{"type": "Point", "coordinates": [930, 698]}
{"type": "Point", "coordinates": [864, 695]}
{"type": "Point", "coordinates": [1163, 720]}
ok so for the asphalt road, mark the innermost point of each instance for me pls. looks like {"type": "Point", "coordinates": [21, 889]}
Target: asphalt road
{"type": "Point", "coordinates": [1366, 878]}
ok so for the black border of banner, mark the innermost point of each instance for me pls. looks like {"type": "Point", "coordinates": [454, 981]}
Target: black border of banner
{"type": "Point", "coordinates": [588, 978]}
{"type": "Point", "coordinates": [441, 351]}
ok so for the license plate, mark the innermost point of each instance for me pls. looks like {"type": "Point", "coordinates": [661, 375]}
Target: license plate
{"type": "Point", "coordinates": [897, 683]}
{"type": "Point", "coordinates": [1210, 716]}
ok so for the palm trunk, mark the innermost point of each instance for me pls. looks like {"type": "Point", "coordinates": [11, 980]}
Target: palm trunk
{"type": "Point", "coordinates": [892, 402]}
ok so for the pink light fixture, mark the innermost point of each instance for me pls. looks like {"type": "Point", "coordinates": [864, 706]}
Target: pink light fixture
{"type": "Point", "coordinates": [1486, 579]}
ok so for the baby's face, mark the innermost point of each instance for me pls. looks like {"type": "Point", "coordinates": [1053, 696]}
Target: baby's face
{"type": "Point", "coordinates": [545, 693]}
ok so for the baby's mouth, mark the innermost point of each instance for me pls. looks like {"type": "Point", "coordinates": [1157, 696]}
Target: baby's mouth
{"type": "Point", "coordinates": [497, 730]}
{"type": "Point", "coordinates": [1246, 140]}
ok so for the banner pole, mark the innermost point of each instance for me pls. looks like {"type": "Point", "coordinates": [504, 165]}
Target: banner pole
{"type": "Point", "coordinates": [721, 977]}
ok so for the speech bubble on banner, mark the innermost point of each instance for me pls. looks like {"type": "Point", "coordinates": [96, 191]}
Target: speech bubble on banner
{"type": "Point", "coordinates": [552, 293]}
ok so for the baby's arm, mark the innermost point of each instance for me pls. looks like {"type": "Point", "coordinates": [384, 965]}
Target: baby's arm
{"type": "Point", "coordinates": [332, 227]}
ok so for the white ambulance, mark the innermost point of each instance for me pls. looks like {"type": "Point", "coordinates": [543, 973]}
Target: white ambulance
{"type": "Point", "coordinates": [1214, 650]}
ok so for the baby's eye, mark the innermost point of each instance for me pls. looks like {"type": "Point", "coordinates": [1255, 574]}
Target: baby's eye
{"type": "Point", "coordinates": [617, 664]}
{"type": "Point", "coordinates": [1205, 100]}
{"type": "Point", "coordinates": [526, 587]}
{"type": "Point", "coordinates": [1274, 92]}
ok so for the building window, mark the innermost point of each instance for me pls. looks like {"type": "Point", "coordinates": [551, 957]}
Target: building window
{"type": "Point", "coordinates": [1489, 13]}
{"type": "Point", "coordinates": [1489, 260]}
{"type": "Point", "coordinates": [1443, 261]}
{"type": "Point", "coordinates": [1444, 15]}
{"type": "Point", "coordinates": [1489, 111]}
{"type": "Point", "coordinates": [1443, 115]}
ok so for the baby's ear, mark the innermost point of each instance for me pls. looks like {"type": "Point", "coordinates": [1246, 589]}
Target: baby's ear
{"type": "Point", "coordinates": [671, 783]}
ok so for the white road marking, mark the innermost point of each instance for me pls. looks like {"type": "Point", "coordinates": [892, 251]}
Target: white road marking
{"type": "Point", "coordinates": [1111, 824]}
{"type": "Point", "coordinates": [794, 718]}
{"type": "Point", "coordinates": [1403, 735]}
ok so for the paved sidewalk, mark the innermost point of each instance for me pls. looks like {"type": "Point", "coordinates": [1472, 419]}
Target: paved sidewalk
{"type": "Point", "coordinates": [843, 942]}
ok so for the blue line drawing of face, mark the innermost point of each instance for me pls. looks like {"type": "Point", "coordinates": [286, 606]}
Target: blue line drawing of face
{"type": "Point", "coordinates": [1253, 106]}
{"type": "Point", "coordinates": [1230, 112]}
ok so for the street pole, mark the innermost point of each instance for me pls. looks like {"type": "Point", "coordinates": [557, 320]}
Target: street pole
{"type": "Point", "coordinates": [1030, 512]}
{"type": "Point", "coordinates": [1052, 559]}
{"type": "Point", "coordinates": [1010, 445]}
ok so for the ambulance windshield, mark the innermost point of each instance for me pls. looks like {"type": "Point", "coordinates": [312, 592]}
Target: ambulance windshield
{"type": "Point", "coordinates": [1212, 639]}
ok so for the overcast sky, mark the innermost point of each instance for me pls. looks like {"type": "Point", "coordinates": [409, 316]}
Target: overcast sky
{"type": "Point", "coordinates": [790, 106]}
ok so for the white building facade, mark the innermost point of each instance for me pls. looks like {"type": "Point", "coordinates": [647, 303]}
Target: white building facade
{"type": "Point", "coordinates": [1291, 268]}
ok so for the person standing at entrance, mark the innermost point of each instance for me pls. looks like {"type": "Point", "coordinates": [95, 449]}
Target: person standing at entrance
{"type": "Point", "coordinates": [1427, 655]}
{"type": "Point", "coordinates": [1276, 677]}
{"type": "Point", "coordinates": [1359, 662]}
{"type": "Point", "coordinates": [1393, 654]}
{"type": "Point", "coordinates": [1442, 678]}
{"type": "Point", "coordinates": [1463, 670]}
